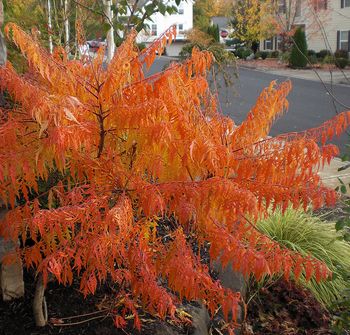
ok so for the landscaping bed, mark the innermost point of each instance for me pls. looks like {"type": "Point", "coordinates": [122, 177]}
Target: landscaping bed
{"type": "Point", "coordinates": [275, 64]}
{"type": "Point", "coordinates": [283, 308]}
{"type": "Point", "coordinates": [277, 307]}
{"type": "Point", "coordinates": [66, 305]}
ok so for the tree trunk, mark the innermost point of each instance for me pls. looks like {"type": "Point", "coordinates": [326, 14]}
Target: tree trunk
{"type": "Point", "coordinates": [11, 275]}
{"type": "Point", "coordinates": [39, 303]}
{"type": "Point", "coordinates": [3, 52]}
{"type": "Point", "coordinates": [107, 7]}
{"type": "Point", "coordinates": [66, 27]}
{"type": "Point", "coordinates": [49, 24]}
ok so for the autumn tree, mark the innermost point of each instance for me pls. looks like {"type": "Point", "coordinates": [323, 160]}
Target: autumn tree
{"type": "Point", "coordinates": [259, 19]}
{"type": "Point", "coordinates": [69, 22]}
{"type": "Point", "coordinates": [252, 20]}
{"type": "Point", "coordinates": [204, 10]}
{"type": "Point", "coordinates": [122, 156]}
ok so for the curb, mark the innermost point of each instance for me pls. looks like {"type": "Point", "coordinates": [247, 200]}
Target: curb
{"type": "Point", "coordinates": [339, 82]}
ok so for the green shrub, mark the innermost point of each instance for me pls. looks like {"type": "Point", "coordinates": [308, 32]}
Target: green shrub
{"type": "Point", "coordinates": [274, 54]}
{"type": "Point", "coordinates": [141, 46]}
{"type": "Point", "coordinates": [246, 53]}
{"type": "Point", "coordinates": [220, 54]}
{"type": "Point", "coordinates": [238, 52]}
{"type": "Point", "coordinates": [308, 234]}
{"type": "Point", "coordinates": [341, 314]}
{"type": "Point", "coordinates": [233, 42]}
{"type": "Point", "coordinates": [341, 54]}
{"type": "Point", "coordinates": [299, 50]}
{"type": "Point", "coordinates": [329, 59]}
{"type": "Point", "coordinates": [323, 53]}
{"type": "Point", "coordinates": [214, 32]}
{"type": "Point", "coordinates": [264, 54]}
{"type": "Point", "coordinates": [257, 55]}
{"type": "Point", "coordinates": [341, 63]}
{"type": "Point", "coordinates": [243, 53]}
{"type": "Point", "coordinates": [313, 59]}
{"type": "Point", "coordinates": [284, 57]}
{"type": "Point", "coordinates": [312, 56]}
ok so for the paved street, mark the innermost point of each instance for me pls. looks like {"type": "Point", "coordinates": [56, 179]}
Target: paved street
{"type": "Point", "coordinates": [310, 104]}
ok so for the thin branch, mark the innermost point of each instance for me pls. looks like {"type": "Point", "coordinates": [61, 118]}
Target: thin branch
{"type": "Point", "coordinates": [86, 314]}
{"type": "Point", "coordinates": [103, 14]}
{"type": "Point", "coordinates": [317, 74]}
{"type": "Point", "coordinates": [100, 119]}
{"type": "Point", "coordinates": [78, 322]}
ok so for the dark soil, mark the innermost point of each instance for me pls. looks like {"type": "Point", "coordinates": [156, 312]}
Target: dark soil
{"type": "Point", "coordinates": [284, 308]}
{"type": "Point", "coordinates": [66, 305]}
{"type": "Point", "coordinates": [333, 214]}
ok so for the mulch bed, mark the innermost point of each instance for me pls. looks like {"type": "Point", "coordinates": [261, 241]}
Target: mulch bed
{"type": "Point", "coordinates": [276, 64]}
{"type": "Point", "coordinates": [284, 308]}
{"type": "Point", "coordinates": [63, 303]}
{"type": "Point", "coordinates": [269, 63]}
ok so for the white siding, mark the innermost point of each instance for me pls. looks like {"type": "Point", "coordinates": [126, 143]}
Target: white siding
{"type": "Point", "coordinates": [322, 33]}
{"type": "Point", "coordinates": [336, 19]}
{"type": "Point", "coordinates": [163, 22]}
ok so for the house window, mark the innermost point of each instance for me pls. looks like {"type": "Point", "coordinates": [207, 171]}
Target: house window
{"type": "Point", "coordinates": [278, 42]}
{"type": "Point", "coordinates": [343, 43]}
{"type": "Point", "coordinates": [180, 11]}
{"type": "Point", "coordinates": [154, 30]}
{"type": "Point", "coordinates": [268, 44]}
{"type": "Point", "coordinates": [344, 3]}
{"type": "Point", "coordinates": [180, 28]}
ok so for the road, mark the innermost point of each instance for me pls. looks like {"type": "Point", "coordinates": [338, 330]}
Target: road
{"type": "Point", "coordinates": [309, 103]}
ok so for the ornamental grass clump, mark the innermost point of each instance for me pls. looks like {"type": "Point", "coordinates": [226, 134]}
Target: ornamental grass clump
{"type": "Point", "coordinates": [307, 234]}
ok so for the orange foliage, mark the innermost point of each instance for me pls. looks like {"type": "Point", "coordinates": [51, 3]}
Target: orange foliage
{"type": "Point", "coordinates": [130, 150]}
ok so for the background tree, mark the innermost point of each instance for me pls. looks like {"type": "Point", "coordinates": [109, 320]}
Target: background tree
{"type": "Point", "coordinates": [49, 24]}
{"type": "Point", "coordinates": [108, 12]}
{"type": "Point", "coordinates": [255, 19]}
{"type": "Point", "coordinates": [66, 5]}
{"type": "Point", "coordinates": [214, 32]}
{"type": "Point", "coordinates": [252, 20]}
{"type": "Point", "coordinates": [204, 10]}
{"type": "Point", "coordinates": [74, 20]}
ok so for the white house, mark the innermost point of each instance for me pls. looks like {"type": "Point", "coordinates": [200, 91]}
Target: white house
{"type": "Point", "coordinates": [326, 27]}
{"type": "Point", "coordinates": [159, 23]}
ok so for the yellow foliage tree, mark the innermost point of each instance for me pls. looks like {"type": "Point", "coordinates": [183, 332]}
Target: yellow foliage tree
{"type": "Point", "coordinates": [205, 9]}
{"type": "Point", "coordinates": [252, 20]}
{"type": "Point", "coordinates": [259, 19]}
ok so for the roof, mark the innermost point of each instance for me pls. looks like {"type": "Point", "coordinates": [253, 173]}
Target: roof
{"type": "Point", "coordinates": [221, 21]}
